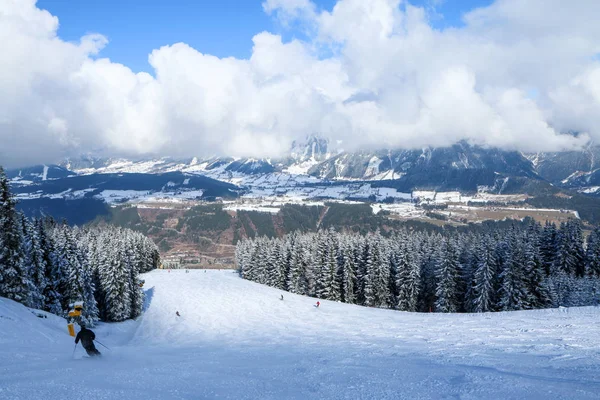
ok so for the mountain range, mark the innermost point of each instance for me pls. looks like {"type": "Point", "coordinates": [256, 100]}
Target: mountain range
{"type": "Point", "coordinates": [312, 169]}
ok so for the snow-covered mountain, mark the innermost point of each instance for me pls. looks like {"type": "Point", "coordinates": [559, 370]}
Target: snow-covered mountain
{"type": "Point", "coordinates": [576, 170]}
{"type": "Point", "coordinates": [315, 171]}
{"type": "Point", "coordinates": [459, 167]}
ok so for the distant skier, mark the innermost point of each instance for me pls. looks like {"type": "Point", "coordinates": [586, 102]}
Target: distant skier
{"type": "Point", "coordinates": [87, 338]}
{"type": "Point", "coordinates": [318, 304]}
{"type": "Point", "coordinates": [281, 298]}
{"type": "Point", "coordinates": [177, 313]}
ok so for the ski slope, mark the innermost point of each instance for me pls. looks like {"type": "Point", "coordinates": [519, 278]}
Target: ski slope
{"type": "Point", "coordinates": [236, 340]}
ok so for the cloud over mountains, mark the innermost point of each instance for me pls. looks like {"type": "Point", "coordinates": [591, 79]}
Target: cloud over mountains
{"type": "Point", "coordinates": [371, 73]}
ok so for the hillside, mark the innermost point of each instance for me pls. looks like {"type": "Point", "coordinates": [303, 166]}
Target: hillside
{"type": "Point", "coordinates": [237, 340]}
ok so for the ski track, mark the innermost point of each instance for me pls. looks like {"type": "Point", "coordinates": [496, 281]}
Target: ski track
{"type": "Point", "coordinates": [236, 340]}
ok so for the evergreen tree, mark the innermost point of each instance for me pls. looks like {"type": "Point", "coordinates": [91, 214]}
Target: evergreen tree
{"type": "Point", "coordinates": [14, 282]}
{"type": "Point", "coordinates": [447, 274]}
{"type": "Point", "coordinates": [408, 278]}
{"type": "Point", "coordinates": [548, 246]}
{"type": "Point", "coordinates": [349, 280]}
{"type": "Point", "coordinates": [50, 291]}
{"type": "Point", "coordinates": [483, 298]}
{"type": "Point", "coordinates": [115, 279]}
{"type": "Point", "coordinates": [513, 290]}
{"type": "Point", "coordinates": [592, 254]}
{"type": "Point", "coordinates": [35, 265]}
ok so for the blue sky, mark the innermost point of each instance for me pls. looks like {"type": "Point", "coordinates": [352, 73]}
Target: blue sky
{"type": "Point", "coordinates": [219, 27]}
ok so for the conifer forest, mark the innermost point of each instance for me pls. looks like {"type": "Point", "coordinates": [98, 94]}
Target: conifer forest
{"type": "Point", "coordinates": [493, 267]}
{"type": "Point", "coordinates": [48, 265]}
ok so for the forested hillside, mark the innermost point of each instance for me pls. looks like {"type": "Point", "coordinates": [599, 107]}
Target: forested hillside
{"type": "Point", "coordinates": [48, 265]}
{"type": "Point", "coordinates": [493, 268]}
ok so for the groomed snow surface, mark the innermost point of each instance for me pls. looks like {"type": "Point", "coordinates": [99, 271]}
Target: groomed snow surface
{"type": "Point", "coordinates": [236, 340]}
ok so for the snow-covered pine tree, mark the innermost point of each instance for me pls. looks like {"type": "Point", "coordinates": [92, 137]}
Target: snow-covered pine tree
{"type": "Point", "coordinates": [408, 276]}
{"type": "Point", "coordinates": [447, 274]}
{"type": "Point", "coordinates": [484, 296]}
{"type": "Point", "coordinates": [592, 254]}
{"type": "Point", "coordinates": [430, 249]}
{"type": "Point", "coordinates": [288, 245]}
{"type": "Point", "coordinates": [259, 264]}
{"type": "Point", "coordinates": [349, 282]}
{"type": "Point", "coordinates": [296, 270]}
{"type": "Point", "coordinates": [273, 260]}
{"type": "Point", "coordinates": [513, 287]}
{"type": "Point", "coordinates": [566, 258]}
{"type": "Point", "coordinates": [548, 245]}
{"type": "Point", "coordinates": [114, 279]}
{"type": "Point", "coordinates": [331, 285]}
{"type": "Point", "coordinates": [369, 275]}
{"type": "Point", "coordinates": [136, 293]}
{"type": "Point", "coordinates": [78, 285]}
{"type": "Point", "coordinates": [535, 278]}
{"type": "Point", "coordinates": [14, 280]}
{"type": "Point", "coordinates": [575, 235]}
{"type": "Point", "coordinates": [382, 287]}
{"type": "Point", "coordinates": [34, 263]}
{"type": "Point", "coordinates": [50, 292]}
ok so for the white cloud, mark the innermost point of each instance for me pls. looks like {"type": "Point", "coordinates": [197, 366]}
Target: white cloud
{"type": "Point", "coordinates": [288, 10]}
{"type": "Point", "coordinates": [374, 73]}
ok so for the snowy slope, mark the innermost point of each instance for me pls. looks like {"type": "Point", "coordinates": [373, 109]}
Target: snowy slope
{"type": "Point", "coordinates": [236, 340]}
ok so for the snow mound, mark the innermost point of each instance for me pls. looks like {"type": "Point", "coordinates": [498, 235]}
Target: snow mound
{"type": "Point", "coordinates": [21, 327]}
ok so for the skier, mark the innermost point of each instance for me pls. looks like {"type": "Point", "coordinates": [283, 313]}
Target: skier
{"type": "Point", "coordinates": [281, 298]}
{"type": "Point", "coordinates": [318, 304]}
{"type": "Point", "coordinates": [177, 312]}
{"type": "Point", "coordinates": [87, 338]}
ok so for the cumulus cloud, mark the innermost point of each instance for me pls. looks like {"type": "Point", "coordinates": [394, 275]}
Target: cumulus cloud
{"type": "Point", "coordinates": [372, 74]}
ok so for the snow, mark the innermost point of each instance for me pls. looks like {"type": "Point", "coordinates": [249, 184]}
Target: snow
{"type": "Point", "coordinates": [590, 190]}
{"type": "Point", "coordinates": [300, 168]}
{"type": "Point", "coordinates": [45, 173]}
{"type": "Point", "coordinates": [236, 340]}
{"type": "Point", "coordinates": [405, 210]}
{"type": "Point", "coordinates": [118, 196]}
{"type": "Point", "coordinates": [457, 197]}
{"type": "Point", "coordinates": [388, 175]}
{"type": "Point", "coordinates": [251, 207]}
{"type": "Point", "coordinates": [373, 167]}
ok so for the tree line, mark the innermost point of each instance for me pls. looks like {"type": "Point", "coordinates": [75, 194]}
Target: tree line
{"type": "Point", "coordinates": [48, 265]}
{"type": "Point", "coordinates": [492, 268]}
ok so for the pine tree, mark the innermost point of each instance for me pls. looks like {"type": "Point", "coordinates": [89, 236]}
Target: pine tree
{"type": "Point", "coordinates": [548, 245]}
{"type": "Point", "coordinates": [50, 292]}
{"type": "Point", "coordinates": [34, 262]}
{"type": "Point", "coordinates": [408, 278]}
{"type": "Point", "coordinates": [447, 274]}
{"type": "Point", "coordinates": [136, 293]}
{"type": "Point", "coordinates": [430, 248]}
{"type": "Point", "coordinates": [115, 279]}
{"type": "Point", "coordinates": [537, 288]}
{"type": "Point", "coordinates": [14, 282]}
{"type": "Point", "coordinates": [483, 299]}
{"type": "Point", "coordinates": [349, 280]}
{"type": "Point", "coordinates": [513, 290]}
{"type": "Point", "coordinates": [592, 254]}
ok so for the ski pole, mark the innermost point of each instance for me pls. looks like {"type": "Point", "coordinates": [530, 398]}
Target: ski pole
{"type": "Point", "coordinates": [74, 348]}
{"type": "Point", "coordinates": [101, 344]}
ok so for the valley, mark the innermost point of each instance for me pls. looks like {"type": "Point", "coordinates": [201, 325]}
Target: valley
{"type": "Point", "coordinates": [197, 210]}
